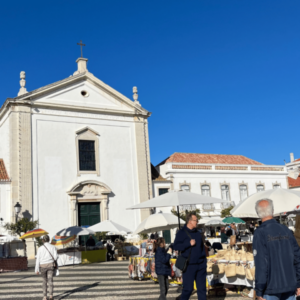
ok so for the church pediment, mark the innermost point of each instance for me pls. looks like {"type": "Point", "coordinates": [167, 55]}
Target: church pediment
{"type": "Point", "coordinates": [82, 91]}
{"type": "Point", "coordinates": [85, 94]}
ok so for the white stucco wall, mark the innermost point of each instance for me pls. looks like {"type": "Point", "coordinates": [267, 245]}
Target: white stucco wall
{"type": "Point", "coordinates": [4, 204]}
{"type": "Point", "coordinates": [55, 166]}
{"type": "Point", "coordinates": [4, 141]}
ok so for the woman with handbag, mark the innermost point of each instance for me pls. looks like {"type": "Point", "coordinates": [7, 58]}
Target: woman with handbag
{"type": "Point", "coordinates": [162, 266]}
{"type": "Point", "coordinates": [46, 265]}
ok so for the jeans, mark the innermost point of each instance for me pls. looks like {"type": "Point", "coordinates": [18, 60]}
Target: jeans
{"type": "Point", "coordinates": [164, 286]}
{"type": "Point", "coordinates": [193, 273]}
{"type": "Point", "coordinates": [283, 296]}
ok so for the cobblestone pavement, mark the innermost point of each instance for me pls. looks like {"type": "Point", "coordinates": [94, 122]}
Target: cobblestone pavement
{"type": "Point", "coordinates": [105, 281]}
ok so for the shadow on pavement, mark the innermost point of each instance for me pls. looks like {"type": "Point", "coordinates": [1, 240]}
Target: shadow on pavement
{"type": "Point", "coordinates": [80, 289]}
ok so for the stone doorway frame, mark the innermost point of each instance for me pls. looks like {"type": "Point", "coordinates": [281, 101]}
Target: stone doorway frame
{"type": "Point", "coordinates": [89, 191]}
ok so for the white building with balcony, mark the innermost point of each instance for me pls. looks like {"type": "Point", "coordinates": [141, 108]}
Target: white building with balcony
{"type": "Point", "coordinates": [229, 177]}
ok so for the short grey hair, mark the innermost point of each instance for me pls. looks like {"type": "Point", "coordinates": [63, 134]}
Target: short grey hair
{"type": "Point", "coordinates": [264, 212]}
{"type": "Point", "coordinates": [46, 238]}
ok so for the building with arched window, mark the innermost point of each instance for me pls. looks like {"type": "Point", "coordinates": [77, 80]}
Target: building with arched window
{"type": "Point", "coordinates": [76, 153]}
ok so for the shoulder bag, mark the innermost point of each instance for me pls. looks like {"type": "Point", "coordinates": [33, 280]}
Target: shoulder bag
{"type": "Point", "coordinates": [54, 261]}
{"type": "Point", "coordinates": [182, 262]}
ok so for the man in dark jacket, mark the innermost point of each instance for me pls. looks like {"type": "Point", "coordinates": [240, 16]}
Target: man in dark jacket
{"type": "Point", "coordinates": [90, 242]}
{"type": "Point", "coordinates": [277, 257]}
{"type": "Point", "coordinates": [189, 241]}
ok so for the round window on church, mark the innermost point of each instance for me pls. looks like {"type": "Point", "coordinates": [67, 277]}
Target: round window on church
{"type": "Point", "coordinates": [84, 93]}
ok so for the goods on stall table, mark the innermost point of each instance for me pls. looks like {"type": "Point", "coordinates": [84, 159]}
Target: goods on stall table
{"type": "Point", "coordinates": [140, 268]}
{"type": "Point", "coordinates": [238, 266]}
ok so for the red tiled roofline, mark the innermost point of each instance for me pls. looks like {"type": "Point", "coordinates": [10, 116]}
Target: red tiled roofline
{"type": "Point", "coordinates": [180, 157]}
{"type": "Point", "coordinates": [3, 172]}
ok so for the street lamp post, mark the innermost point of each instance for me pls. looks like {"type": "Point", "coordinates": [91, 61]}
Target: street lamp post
{"type": "Point", "coordinates": [17, 207]}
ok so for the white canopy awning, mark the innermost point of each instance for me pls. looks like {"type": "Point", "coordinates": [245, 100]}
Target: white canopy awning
{"type": "Point", "coordinates": [158, 222]}
{"type": "Point", "coordinates": [178, 198]}
{"type": "Point", "coordinates": [284, 201]}
{"type": "Point", "coordinates": [110, 226]}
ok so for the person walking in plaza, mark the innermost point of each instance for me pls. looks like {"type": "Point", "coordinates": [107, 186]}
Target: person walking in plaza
{"type": "Point", "coordinates": [162, 266]}
{"type": "Point", "coordinates": [277, 257]}
{"type": "Point", "coordinates": [44, 265]}
{"type": "Point", "coordinates": [189, 241]}
{"type": "Point", "coordinates": [224, 237]}
{"type": "Point", "coordinates": [229, 231]}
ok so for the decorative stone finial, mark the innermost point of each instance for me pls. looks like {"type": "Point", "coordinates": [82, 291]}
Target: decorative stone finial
{"type": "Point", "coordinates": [82, 68]}
{"type": "Point", "coordinates": [135, 95]}
{"type": "Point", "coordinates": [22, 90]}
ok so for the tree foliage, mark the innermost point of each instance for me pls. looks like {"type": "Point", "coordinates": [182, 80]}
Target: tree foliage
{"type": "Point", "coordinates": [184, 213]}
{"type": "Point", "coordinates": [143, 236]}
{"type": "Point", "coordinates": [226, 212]}
{"type": "Point", "coordinates": [21, 226]}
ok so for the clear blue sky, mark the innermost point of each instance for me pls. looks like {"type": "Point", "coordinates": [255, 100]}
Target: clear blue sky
{"type": "Point", "coordinates": [218, 76]}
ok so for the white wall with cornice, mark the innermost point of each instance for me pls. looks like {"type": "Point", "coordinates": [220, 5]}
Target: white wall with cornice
{"type": "Point", "coordinates": [55, 165]}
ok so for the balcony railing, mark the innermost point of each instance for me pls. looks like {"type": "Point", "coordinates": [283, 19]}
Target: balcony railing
{"type": "Point", "coordinates": [183, 208]}
{"type": "Point", "coordinates": [208, 207]}
{"type": "Point", "coordinates": [227, 204]}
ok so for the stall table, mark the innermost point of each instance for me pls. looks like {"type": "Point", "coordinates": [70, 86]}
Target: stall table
{"type": "Point", "coordinates": [91, 256]}
{"type": "Point", "coordinates": [68, 257]}
{"type": "Point", "coordinates": [77, 256]}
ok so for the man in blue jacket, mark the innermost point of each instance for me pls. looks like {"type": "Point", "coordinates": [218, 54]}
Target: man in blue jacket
{"type": "Point", "coordinates": [189, 241]}
{"type": "Point", "coordinates": [277, 257]}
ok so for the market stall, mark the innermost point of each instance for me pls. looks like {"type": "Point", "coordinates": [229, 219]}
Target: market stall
{"type": "Point", "coordinates": [140, 268]}
{"type": "Point", "coordinates": [79, 254]}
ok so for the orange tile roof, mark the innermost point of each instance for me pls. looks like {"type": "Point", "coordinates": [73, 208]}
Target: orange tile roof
{"type": "Point", "coordinates": [198, 158]}
{"type": "Point", "coordinates": [297, 160]}
{"type": "Point", "coordinates": [3, 173]}
{"type": "Point", "coordinates": [294, 182]}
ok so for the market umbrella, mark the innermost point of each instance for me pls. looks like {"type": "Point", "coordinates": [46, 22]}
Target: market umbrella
{"type": "Point", "coordinates": [62, 240]}
{"type": "Point", "coordinates": [75, 230]}
{"type": "Point", "coordinates": [215, 222]}
{"type": "Point", "coordinates": [158, 222]}
{"type": "Point", "coordinates": [109, 226]}
{"type": "Point", "coordinates": [284, 201]}
{"type": "Point", "coordinates": [35, 233]}
{"type": "Point", "coordinates": [235, 220]}
{"type": "Point", "coordinates": [177, 198]}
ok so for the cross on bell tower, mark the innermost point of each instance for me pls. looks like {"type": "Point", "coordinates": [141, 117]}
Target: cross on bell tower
{"type": "Point", "coordinates": [81, 45]}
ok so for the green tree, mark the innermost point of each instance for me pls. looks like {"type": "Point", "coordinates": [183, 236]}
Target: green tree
{"type": "Point", "coordinates": [183, 214]}
{"type": "Point", "coordinates": [226, 212]}
{"type": "Point", "coordinates": [21, 226]}
{"type": "Point", "coordinates": [143, 236]}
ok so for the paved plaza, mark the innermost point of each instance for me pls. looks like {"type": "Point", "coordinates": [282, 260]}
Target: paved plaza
{"type": "Point", "coordinates": [104, 281]}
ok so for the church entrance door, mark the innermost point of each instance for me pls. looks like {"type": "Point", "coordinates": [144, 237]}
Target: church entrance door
{"type": "Point", "coordinates": [88, 215]}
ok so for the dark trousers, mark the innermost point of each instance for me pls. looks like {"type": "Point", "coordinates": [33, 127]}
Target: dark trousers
{"type": "Point", "coordinates": [164, 286]}
{"type": "Point", "coordinates": [193, 273]}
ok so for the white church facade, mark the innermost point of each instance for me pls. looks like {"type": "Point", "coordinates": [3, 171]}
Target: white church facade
{"type": "Point", "coordinates": [75, 152]}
